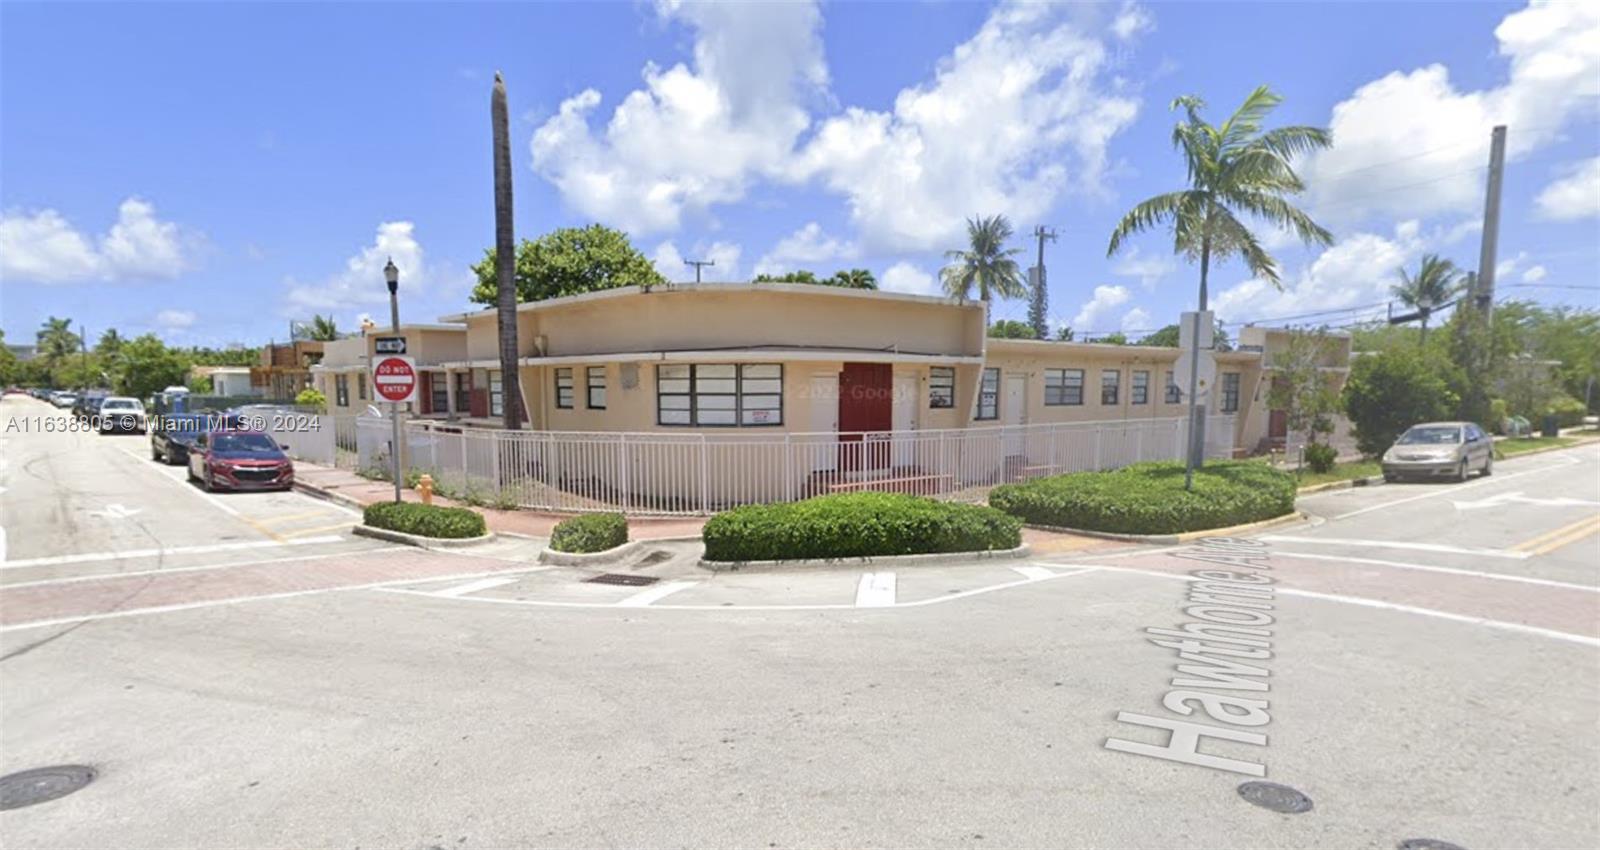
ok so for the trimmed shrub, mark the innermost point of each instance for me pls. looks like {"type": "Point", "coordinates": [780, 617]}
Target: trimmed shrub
{"type": "Point", "coordinates": [590, 533]}
{"type": "Point", "coordinates": [1148, 498]}
{"type": "Point", "coordinates": [1568, 411]}
{"type": "Point", "coordinates": [857, 525]}
{"type": "Point", "coordinates": [1321, 456]}
{"type": "Point", "coordinates": [425, 520]}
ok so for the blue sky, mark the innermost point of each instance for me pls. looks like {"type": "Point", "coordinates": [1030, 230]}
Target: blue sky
{"type": "Point", "coordinates": [210, 172]}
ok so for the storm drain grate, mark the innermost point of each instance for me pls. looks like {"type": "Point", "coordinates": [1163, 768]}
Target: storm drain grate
{"type": "Point", "coordinates": [1278, 798]}
{"type": "Point", "coordinates": [622, 579]}
{"type": "Point", "coordinates": [1427, 844]}
{"type": "Point", "coordinates": [42, 784]}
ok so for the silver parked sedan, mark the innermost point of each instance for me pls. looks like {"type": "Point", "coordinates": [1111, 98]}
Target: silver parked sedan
{"type": "Point", "coordinates": [1439, 449]}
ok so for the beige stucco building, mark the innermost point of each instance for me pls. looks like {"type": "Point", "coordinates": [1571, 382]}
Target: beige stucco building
{"type": "Point", "coordinates": [344, 375]}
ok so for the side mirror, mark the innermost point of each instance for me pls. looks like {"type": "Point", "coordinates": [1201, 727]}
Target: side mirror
{"type": "Point", "coordinates": [284, 446]}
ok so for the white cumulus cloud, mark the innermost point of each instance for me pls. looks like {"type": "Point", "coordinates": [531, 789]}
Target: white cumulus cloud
{"type": "Point", "coordinates": [1411, 143]}
{"type": "Point", "coordinates": [1147, 268]}
{"type": "Point", "coordinates": [805, 249]}
{"type": "Point", "coordinates": [1094, 311]}
{"type": "Point", "coordinates": [723, 256]}
{"type": "Point", "coordinates": [1357, 271]}
{"type": "Point", "coordinates": [1574, 196]}
{"type": "Point", "coordinates": [361, 281]}
{"type": "Point", "coordinates": [908, 278]}
{"type": "Point", "coordinates": [175, 320]}
{"type": "Point", "coordinates": [43, 247]}
{"type": "Point", "coordinates": [1137, 319]}
{"type": "Point", "coordinates": [1534, 274]}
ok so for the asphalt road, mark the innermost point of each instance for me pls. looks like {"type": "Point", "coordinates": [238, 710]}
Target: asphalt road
{"type": "Point", "coordinates": [1434, 672]}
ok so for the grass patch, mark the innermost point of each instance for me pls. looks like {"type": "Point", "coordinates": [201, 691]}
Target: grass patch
{"type": "Point", "coordinates": [1517, 445]}
{"type": "Point", "coordinates": [856, 525]}
{"type": "Point", "coordinates": [1148, 498]}
{"type": "Point", "coordinates": [1340, 472]}
{"type": "Point", "coordinates": [590, 533]}
{"type": "Point", "coordinates": [425, 520]}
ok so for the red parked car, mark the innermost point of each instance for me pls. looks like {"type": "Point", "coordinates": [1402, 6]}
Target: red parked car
{"type": "Point", "coordinates": [240, 460]}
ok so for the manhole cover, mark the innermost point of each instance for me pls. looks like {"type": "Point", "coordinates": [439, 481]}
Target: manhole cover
{"type": "Point", "coordinates": [1278, 798]}
{"type": "Point", "coordinates": [623, 579]}
{"type": "Point", "coordinates": [42, 784]}
{"type": "Point", "coordinates": [1427, 844]}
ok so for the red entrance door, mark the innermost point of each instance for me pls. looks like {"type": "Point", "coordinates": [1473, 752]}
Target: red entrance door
{"type": "Point", "coordinates": [1278, 425]}
{"type": "Point", "coordinates": [866, 404]}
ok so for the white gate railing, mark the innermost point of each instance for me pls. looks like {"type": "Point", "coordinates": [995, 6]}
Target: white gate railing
{"type": "Point", "coordinates": [700, 473]}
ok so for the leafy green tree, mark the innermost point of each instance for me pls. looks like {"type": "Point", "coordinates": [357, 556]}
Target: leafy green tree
{"type": "Point", "coordinates": [1011, 329]}
{"type": "Point", "coordinates": [798, 276]}
{"type": "Point", "coordinates": [149, 366]}
{"type": "Point", "coordinates": [853, 279]}
{"type": "Point", "coordinates": [570, 261]}
{"type": "Point", "coordinates": [10, 367]}
{"type": "Point", "coordinates": [1063, 334]}
{"type": "Point", "coordinates": [1114, 338]}
{"type": "Point", "coordinates": [1166, 337]}
{"type": "Point", "coordinates": [1390, 391]}
{"type": "Point", "coordinates": [322, 328]}
{"type": "Point", "coordinates": [1436, 282]}
{"type": "Point", "coordinates": [79, 372]}
{"type": "Point", "coordinates": [238, 356]}
{"type": "Point", "coordinates": [56, 340]}
{"type": "Point", "coordinates": [1301, 388]}
{"type": "Point", "coordinates": [987, 265]}
{"type": "Point", "coordinates": [110, 344]}
{"type": "Point", "coordinates": [313, 398]}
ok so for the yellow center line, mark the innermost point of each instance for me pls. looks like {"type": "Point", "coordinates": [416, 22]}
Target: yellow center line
{"type": "Point", "coordinates": [1555, 539]}
{"type": "Point", "coordinates": [290, 517]}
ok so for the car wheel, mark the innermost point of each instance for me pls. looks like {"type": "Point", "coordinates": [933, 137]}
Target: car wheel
{"type": "Point", "coordinates": [1390, 479]}
{"type": "Point", "coordinates": [1461, 472]}
{"type": "Point", "coordinates": [210, 488]}
{"type": "Point", "coordinates": [1488, 466]}
{"type": "Point", "coordinates": [155, 453]}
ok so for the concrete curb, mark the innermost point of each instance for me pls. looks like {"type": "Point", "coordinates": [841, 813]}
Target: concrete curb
{"type": "Point", "coordinates": [589, 559]}
{"type": "Point", "coordinates": [1369, 481]}
{"type": "Point", "coordinates": [1169, 539]}
{"type": "Point", "coordinates": [419, 541]}
{"type": "Point", "coordinates": [327, 495]}
{"type": "Point", "coordinates": [875, 561]}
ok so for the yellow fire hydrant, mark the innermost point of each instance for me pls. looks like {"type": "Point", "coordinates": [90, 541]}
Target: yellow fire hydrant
{"type": "Point", "coordinates": [425, 488]}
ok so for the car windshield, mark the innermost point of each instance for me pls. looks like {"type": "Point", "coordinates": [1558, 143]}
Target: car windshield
{"type": "Point", "coordinates": [247, 443]}
{"type": "Point", "coordinates": [1438, 436]}
{"type": "Point", "coordinates": [121, 404]}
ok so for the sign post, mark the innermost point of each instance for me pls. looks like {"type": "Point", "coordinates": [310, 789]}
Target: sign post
{"type": "Point", "coordinates": [394, 379]}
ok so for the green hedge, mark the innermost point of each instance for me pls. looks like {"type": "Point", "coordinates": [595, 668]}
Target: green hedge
{"type": "Point", "coordinates": [1148, 498]}
{"type": "Point", "coordinates": [590, 533]}
{"type": "Point", "coordinates": [854, 525]}
{"type": "Point", "coordinates": [425, 520]}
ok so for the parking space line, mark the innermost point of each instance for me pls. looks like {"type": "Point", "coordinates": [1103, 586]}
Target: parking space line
{"type": "Point", "coordinates": [1035, 573]}
{"type": "Point", "coordinates": [84, 557]}
{"type": "Point", "coordinates": [474, 586]}
{"type": "Point", "coordinates": [1401, 565]}
{"type": "Point", "coordinates": [876, 590]}
{"type": "Point", "coordinates": [649, 595]}
{"type": "Point", "coordinates": [1395, 544]}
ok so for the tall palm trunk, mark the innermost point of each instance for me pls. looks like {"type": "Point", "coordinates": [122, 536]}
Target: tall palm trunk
{"type": "Point", "coordinates": [505, 261]}
{"type": "Point", "coordinates": [1195, 455]}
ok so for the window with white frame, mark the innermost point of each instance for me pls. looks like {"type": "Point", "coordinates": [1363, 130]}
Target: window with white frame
{"type": "Point", "coordinates": [1063, 387]}
{"type": "Point", "coordinates": [497, 396]}
{"type": "Point", "coordinates": [1230, 392]}
{"type": "Point", "coordinates": [1173, 394]}
{"type": "Point", "coordinates": [1110, 383]}
{"type": "Point", "coordinates": [719, 394]}
{"type": "Point", "coordinates": [1139, 388]}
{"type": "Point", "coordinates": [942, 386]}
{"type": "Point", "coordinates": [989, 395]}
{"type": "Point", "coordinates": [564, 389]}
{"type": "Point", "coordinates": [595, 385]}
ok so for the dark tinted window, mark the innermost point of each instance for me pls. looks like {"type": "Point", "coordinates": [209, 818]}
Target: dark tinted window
{"type": "Point", "coordinates": [253, 443]}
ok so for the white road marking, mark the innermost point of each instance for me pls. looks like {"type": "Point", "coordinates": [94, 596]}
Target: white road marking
{"type": "Point", "coordinates": [52, 560]}
{"type": "Point", "coordinates": [1035, 572]}
{"type": "Point", "coordinates": [474, 587]}
{"type": "Point", "coordinates": [2, 544]}
{"type": "Point", "coordinates": [184, 483]}
{"type": "Point", "coordinates": [1401, 565]}
{"type": "Point", "coordinates": [1518, 498]}
{"type": "Point", "coordinates": [212, 603]}
{"type": "Point", "coordinates": [117, 511]}
{"type": "Point", "coordinates": [876, 590]}
{"type": "Point", "coordinates": [1397, 544]}
{"type": "Point", "coordinates": [1390, 606]}
{"type": "Point", "coordinates": [650, 594]}
{"type": "Point", "coordinates": [195, 569]}
{"type": "Point", "coordinates": [1452, 490]}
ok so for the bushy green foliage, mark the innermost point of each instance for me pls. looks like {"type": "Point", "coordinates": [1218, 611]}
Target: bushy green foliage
{"type": "Point", "coordinates": [1567, 410]}
{"type": "Point", "coordinates": [312, 397]}
{"type": "Point", "coordinates": [569, 261]}
{"type": "Point", "coordinates": [1011, 329]}
{"type": "Point", "coordinates": [1390, 391]}
{"type": "Point", "coordinates": [1320, 457]}
{"type": "Point", "coordinates": [590, 533]}
{"type": "Point", "coordinates": [854, 525]}
{"type": "Point", "coordinates": [425, 520]}
{"type": "Point", "coordinates": [1148, 498]}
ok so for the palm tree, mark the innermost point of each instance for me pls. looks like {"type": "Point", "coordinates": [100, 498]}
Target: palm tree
{"type": "Point", "coordinates": [56, 340]}
{"type": "Point", "coordinates": [323, 328]}
{"type": "Point", "coordinates": [1437, 281]}
{"type": "Point", "coordinates": [986, 264]}
{"type": "Point", "coordinates": [505, 260]}
{"type": "Point", "coordinates": [854, 279]}
{"type": "Point", "coordinates": [110, 343]}
{"type": "Point", "coordinates": [1236, 168]}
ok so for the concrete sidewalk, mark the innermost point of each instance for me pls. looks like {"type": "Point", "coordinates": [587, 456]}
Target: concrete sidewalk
{"type": "Point", "coordinates": [343, 485]}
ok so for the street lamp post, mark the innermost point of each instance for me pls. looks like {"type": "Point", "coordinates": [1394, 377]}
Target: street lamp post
{"type": "Point", "coordinates": [391, 275]}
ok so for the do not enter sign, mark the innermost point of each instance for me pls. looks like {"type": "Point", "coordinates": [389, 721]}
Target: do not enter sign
{"type": "Point", "coordinates": [395, 379]}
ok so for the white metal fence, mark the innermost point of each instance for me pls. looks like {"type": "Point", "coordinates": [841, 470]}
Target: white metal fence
{"type": "Point", "coordinates": [699, 473]}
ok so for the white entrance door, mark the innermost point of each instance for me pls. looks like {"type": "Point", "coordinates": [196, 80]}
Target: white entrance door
{"type": "Point", "coordinates": [824, 399]}
{"type": "Point", "coordinates": [905, 418]}
{"type": "Point", "coordinates": [1011, 409]}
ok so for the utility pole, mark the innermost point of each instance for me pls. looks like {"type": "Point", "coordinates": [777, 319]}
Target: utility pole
{"type": "Point", "coordinates": [697, 266]}
{"type": "Point", "coordinates": [83, 345]}
{"type": "Point", "coordinates": [1039, 303]}
{"type": "Point", "coordinates": [1491, 223]}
